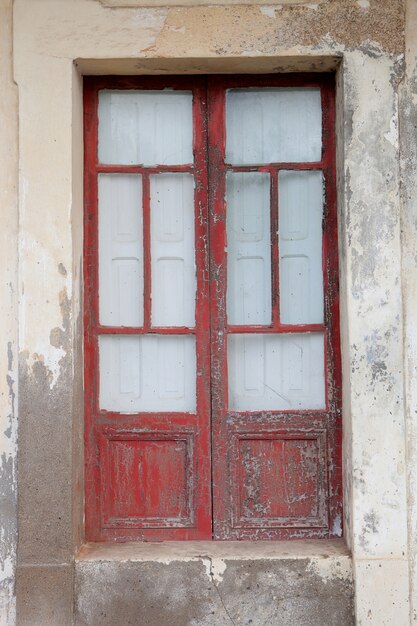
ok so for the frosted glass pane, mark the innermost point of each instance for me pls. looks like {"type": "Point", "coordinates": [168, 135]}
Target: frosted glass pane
{"type": "Point", "coordinates": [248, 248]}
{"type": "Point", "coordinates": [147, 373]}
{"type": "Point", "coordinates": [173, 250]}
{"type": "Point", "coordinates": [273, 125]}
{"type": "Point", "coordinates": [145, 127]}
{"type": "Point", "coordinates": [300, 247]}
{"type": "Point", "coordinates": [276, 372]}
{"type": "Point", "coordinates": [120, 249]}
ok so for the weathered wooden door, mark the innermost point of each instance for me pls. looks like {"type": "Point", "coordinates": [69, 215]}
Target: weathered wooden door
{"type": "Point", "coordinates": [211, 318]}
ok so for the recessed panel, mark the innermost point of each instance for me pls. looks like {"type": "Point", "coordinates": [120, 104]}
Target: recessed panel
{"type": "Point", "coordinates": [120, 249]}
{"type": "Point", "coordinates": [278, 480]}
{"type": "Point", "coordinates": [276, 372]}
{"type": "Point", "coordinates": [147, 373]}
{"type": "Point", "coordinates": [248, 248]}
{"type": "Point", "coordinates": [145, 127]}
{"type": "Point", "coordinates": [300, 247]}
{"type": "Point", "coordinates": [173, 250]}
{"type": "Point", "coordinates": [148, 480]}
{"type": "Point", "coordinates": [273, 125]}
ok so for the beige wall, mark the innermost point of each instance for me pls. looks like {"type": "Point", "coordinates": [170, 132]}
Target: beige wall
{"type": "Point", "coordinates": [8, 318]}
{"type": "Point", "coordinates": [54, 42]}
{"type": "Point", "coordinates": [408, 136]}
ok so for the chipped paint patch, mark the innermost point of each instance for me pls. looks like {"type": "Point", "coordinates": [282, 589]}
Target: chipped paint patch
{"type": "Point", "coordinates": [214, 567]}
{"type": "Point", "coordinates": [392, 134]}
{"type": "Point", "coordinates": [218, 568]}
{"type": "Point", "coordinates": [337, 526]}
{"type": "Point", "coordinates": [330, 569]}
{"type": "Point", "coordinates": [268, 11]}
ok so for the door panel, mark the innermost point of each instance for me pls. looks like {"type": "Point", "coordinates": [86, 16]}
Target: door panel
{"type": "Point", "coordinates": [172, 249]}
{"type": "Point", "coordinates": [145, 126]}
{"type": "Point", "coordinates": [276, 372]}
{"type": "Point", "coordinates": [248, 248]}
{"type": "Point", "coordinates": [300, 244]}
{"type": "Point", "coordinates": [120, 259]}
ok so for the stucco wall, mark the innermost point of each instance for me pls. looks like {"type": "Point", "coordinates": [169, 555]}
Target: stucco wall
{"type": "Point", "coordinates": [54, 42]}
{"type": "Point", "coordinates": [8, 319]}
{"type": "Point", "coordinates": [408, 139]}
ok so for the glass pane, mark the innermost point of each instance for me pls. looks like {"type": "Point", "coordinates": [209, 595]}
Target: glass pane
{"type": "Point", "coordinates": [147, 373]}
{"type": "Point", "coordinates": [273, 125]}
{"type": "Point", "coordinates": [120, 249]}
{"type": "Point", "coordinates": [248, 248]}
{"type": "Point", "coordinates": [145, 127]}
{"type": "Point", "coordinates": [300, 247]}
{"type": "Point", "coordinates": [173, 250]}
{"type": "Point", "coordinates": [276, 372]}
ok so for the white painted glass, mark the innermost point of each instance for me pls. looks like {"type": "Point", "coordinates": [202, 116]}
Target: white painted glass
{"type": "Point", "coordinates": [273, 125]}
{"type": "Point", "coordinates": [173, 250]}
{"type": "Point", "coordinates": [145, 127]}
{"type": "Point", "coordinates": [276, 372]}
{"type": "Point", "coordinates": [300, 247]}
{"type": "Point", "coordinates": [120, 249]}
{"type": "Point", "coordinates": [248, 248]}
{"type": "Point", "coordinates": [147, 373]}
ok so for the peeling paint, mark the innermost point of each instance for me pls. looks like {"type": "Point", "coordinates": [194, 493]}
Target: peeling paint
{"type": "Point", "coordinates": [392, 134]}
{"type": "Point", "coordinates": [330, 569]}
{"type": "Point", "coordinates": [268, 11]}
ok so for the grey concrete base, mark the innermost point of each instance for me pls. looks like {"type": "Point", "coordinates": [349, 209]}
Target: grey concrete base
{"type": "Point", "coordinates": [44, 595]}
{"type": "Point", "coordinates": [207, 590]}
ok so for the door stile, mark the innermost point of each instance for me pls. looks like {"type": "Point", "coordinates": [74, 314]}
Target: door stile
{"type": "Point", "coordinates": [218, 281]}
{"type": "Point", "coordinates": [333, 371]}
{"type": "Point", "coordinates": [203, 379]}
{"type": "Point", "coordinates": [92, 468]}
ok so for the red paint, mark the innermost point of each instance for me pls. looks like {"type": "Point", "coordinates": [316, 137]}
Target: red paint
{"type": "Point", "coordinates": [275, 475]}
{"type": "Point", "coordinates": [147, 282]}
{"type": "Point", "coordinates": [121, 450]}
{"type": "Point", "coordinates": [274, 248]}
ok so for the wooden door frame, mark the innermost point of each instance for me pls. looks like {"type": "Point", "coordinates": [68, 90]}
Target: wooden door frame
{"type": "Point", "coordinates": [227, 428]}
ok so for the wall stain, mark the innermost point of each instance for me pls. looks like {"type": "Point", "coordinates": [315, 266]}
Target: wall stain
{"type": "Point", "coordinates": [370, 527]}
{"type": "Point", "coordinates": [8, 499]}
{"type": "Point", "coordinates": [45, 450]}
{"type": "Point", "coordinates": [235, 30]}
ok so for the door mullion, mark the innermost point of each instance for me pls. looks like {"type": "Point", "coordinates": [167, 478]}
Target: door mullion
{"type": "Point", "coordinates": [218, 279]}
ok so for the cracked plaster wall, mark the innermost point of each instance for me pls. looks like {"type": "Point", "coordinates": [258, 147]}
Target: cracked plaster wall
{"type": "Point", "coordinates": [367, 37]}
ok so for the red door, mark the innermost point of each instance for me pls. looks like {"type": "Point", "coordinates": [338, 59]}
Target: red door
{"type": "Point", "coordinates": [212, 362]}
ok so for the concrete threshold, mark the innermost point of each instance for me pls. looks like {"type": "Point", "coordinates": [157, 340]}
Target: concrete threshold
{"type": "Point", "coordinates": [186, 550]}
{"type": "Point", "coordinates": [204, 583]}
